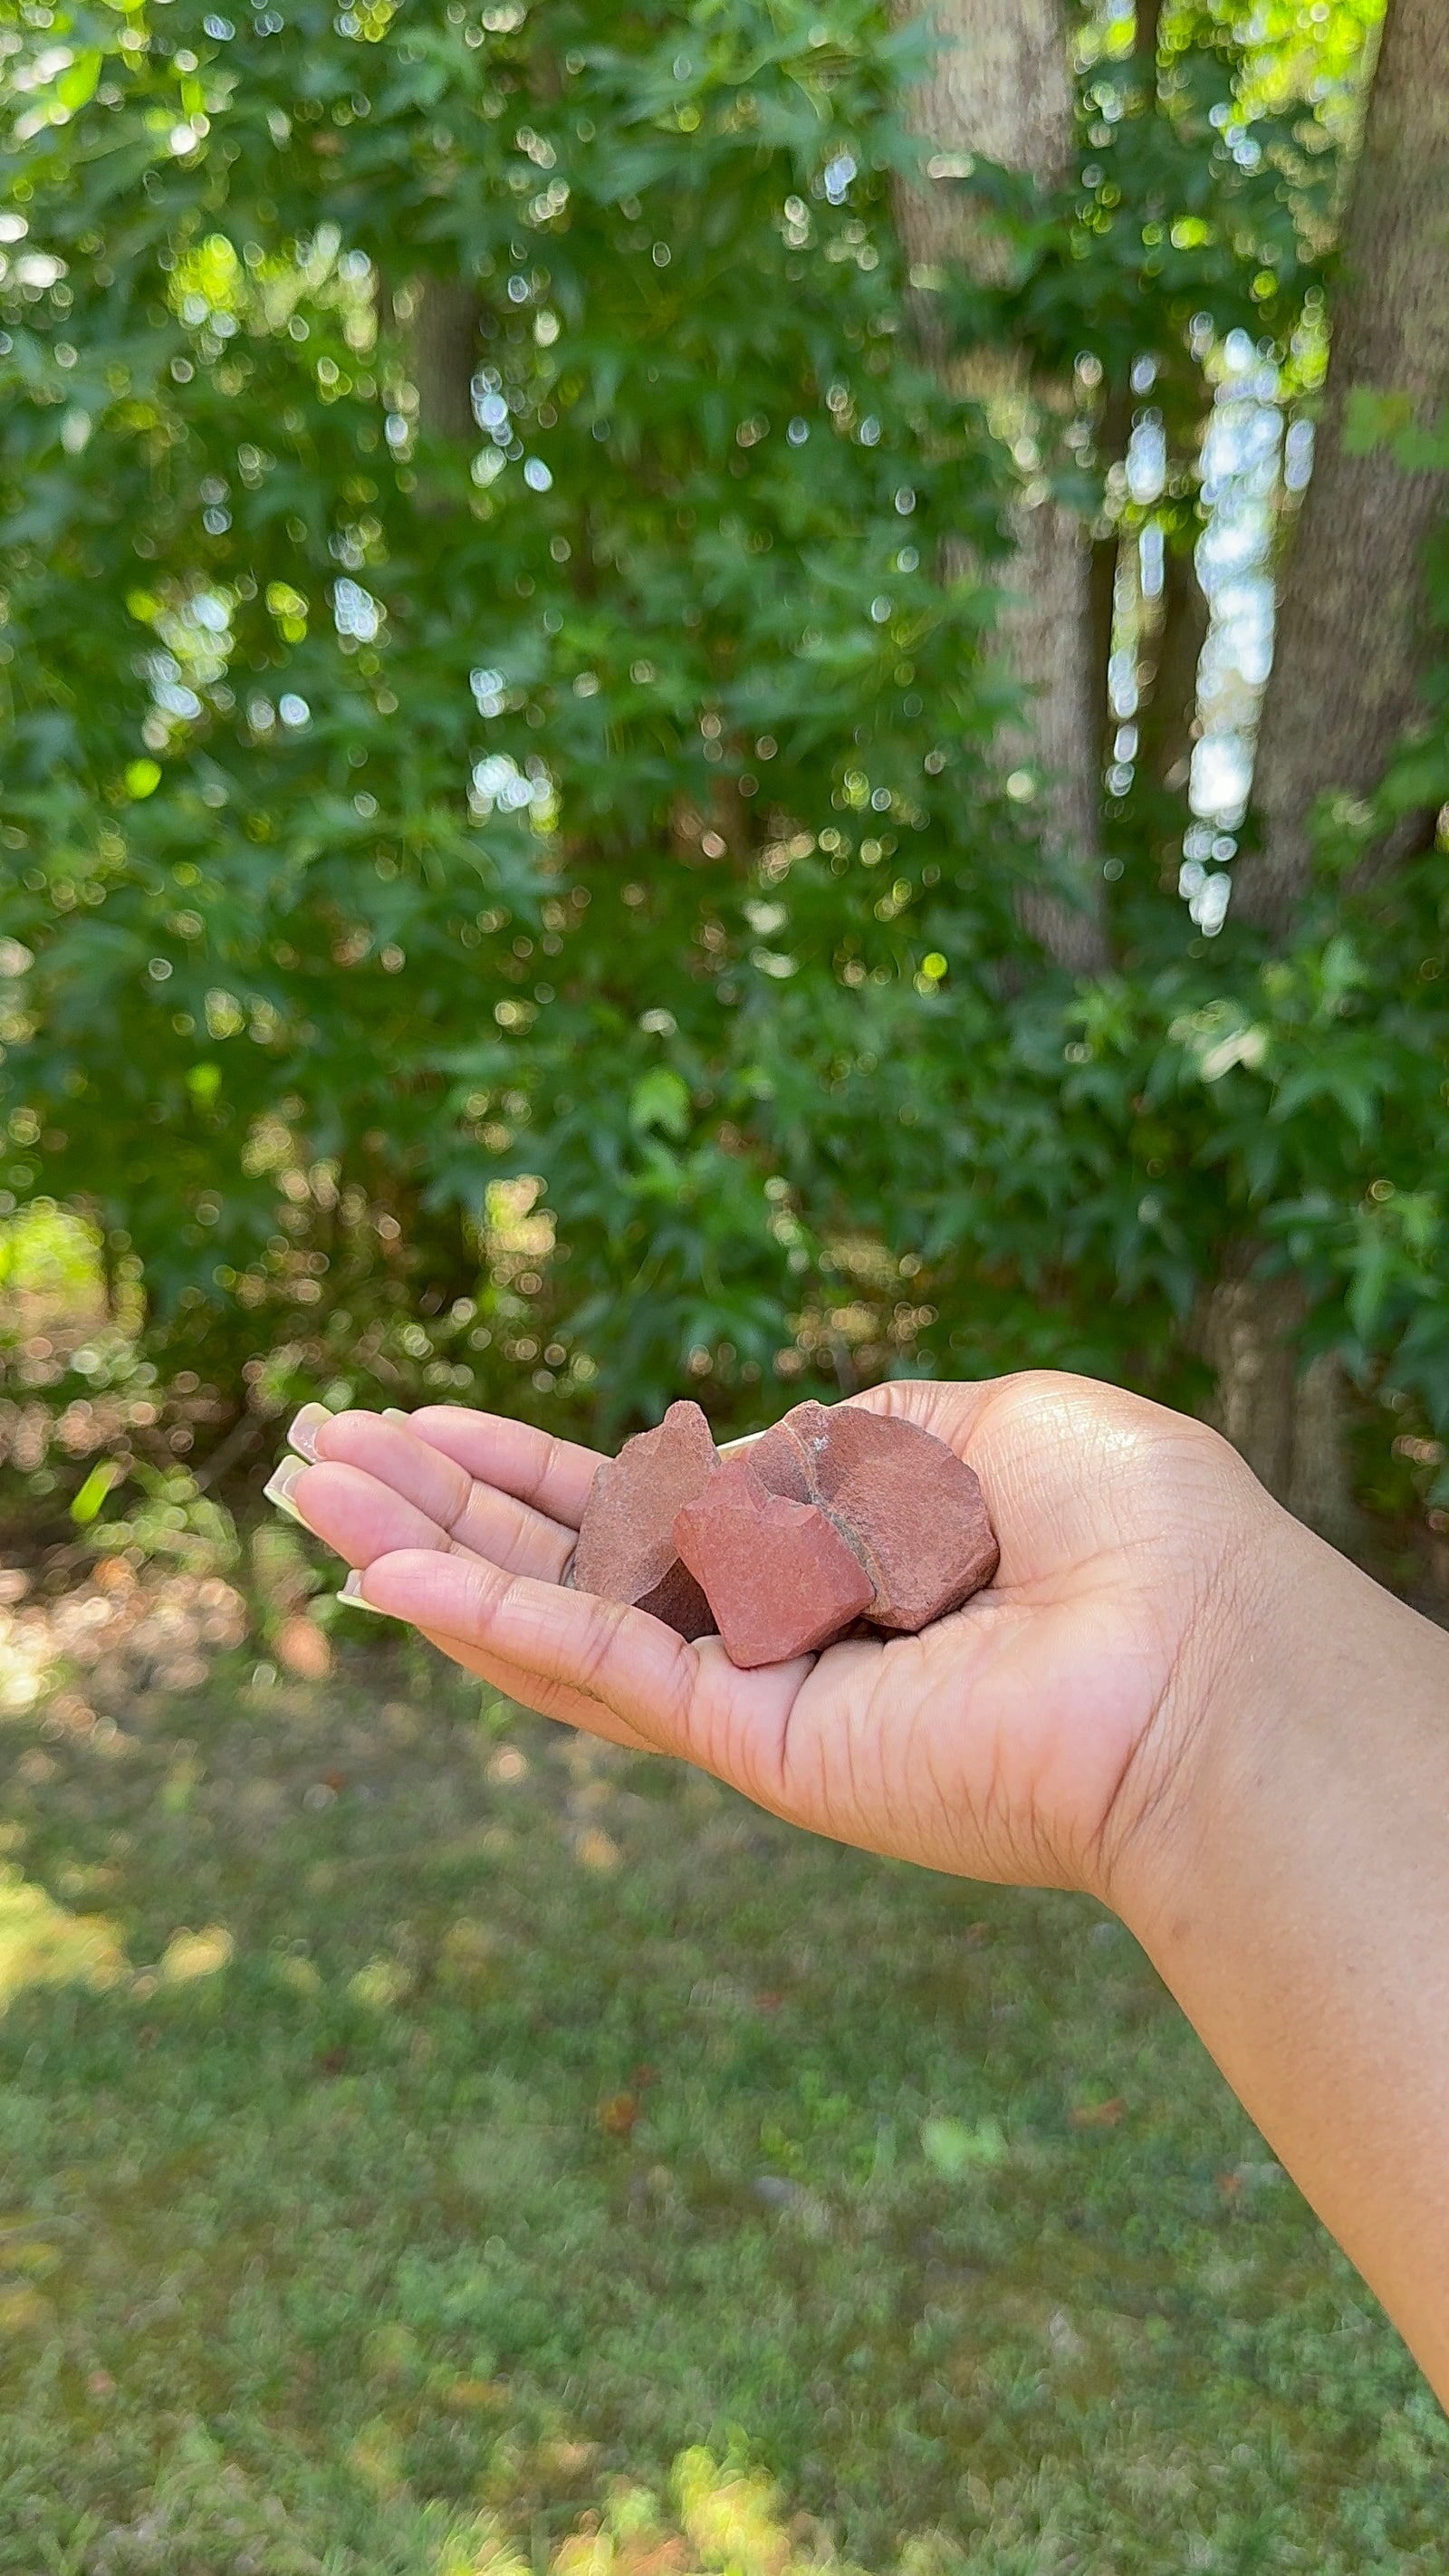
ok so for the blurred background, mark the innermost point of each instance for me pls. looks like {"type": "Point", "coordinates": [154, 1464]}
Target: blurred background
{"type": "Point", "coordinates": [725, 698]}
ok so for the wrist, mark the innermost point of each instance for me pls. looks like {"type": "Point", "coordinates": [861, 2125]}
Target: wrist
{"type": "Point", "coordinates": [1284, 1866]}
{"type": "Point", "coordinates": [1239, 1709]}
{"type": "Point", "coordinates": [1304, 1695]}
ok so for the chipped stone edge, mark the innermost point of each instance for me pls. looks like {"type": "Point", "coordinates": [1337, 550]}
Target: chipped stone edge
{"type": "Point", "coordinates": [727, 1450]}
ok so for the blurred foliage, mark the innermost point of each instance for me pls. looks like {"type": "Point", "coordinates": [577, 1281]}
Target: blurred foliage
{"type": "Point", "coordinates": [520, 902]}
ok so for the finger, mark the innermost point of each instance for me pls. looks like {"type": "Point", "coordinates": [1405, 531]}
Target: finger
{"type": "Point", "coordinates": [548, 1699]}
{"type": "Point", "coordinates": [358, 1516]}
{"type": "Point", "coordinates": [631, 1663]}
{"type": "Point", "coordinates": [682, 1699]}
{"type": "Point", "coordinates": [470, 1515]}
{"type": "Point", "coordinates": [552, 1476]}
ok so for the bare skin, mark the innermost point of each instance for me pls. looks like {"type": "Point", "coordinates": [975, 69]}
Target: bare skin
{"type": "Point", "coordinates": [1172, 1697]}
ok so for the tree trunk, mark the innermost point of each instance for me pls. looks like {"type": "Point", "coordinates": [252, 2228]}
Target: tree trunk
{"type": "Point", "coordinates": [1000, 88]}
{"type": "Point", "coordinates": [1350, 647]}
{"type": "Point", "coordinates": [1165, 726]}
{"type": "Point", "coordinates": [1288, 1422]}
{"type": "Point", "coordinates": [1106, 555]}
{"type": "Point", "coordinates": [442, 328]}
{"type": "Point", "coordinates": [1351, 639]}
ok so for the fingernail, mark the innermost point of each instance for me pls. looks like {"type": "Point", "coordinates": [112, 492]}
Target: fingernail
{"type": "Point", "coordinates": [278, 1488]}
{"type": "Point", "coordinates": [352, 1594]}
{"type": "Point", "coordinates": [391, 1413]}
{"type": "Point", "coordinates": [303, 1434]}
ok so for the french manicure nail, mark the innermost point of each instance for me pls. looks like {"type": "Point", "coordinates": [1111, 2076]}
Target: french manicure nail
{"type": "Point", "coordinates": [352, 1594]}
{"type": "Point", "coordinates": [303, 1434]}
{"type": "Point", "coordinates": [278, 1488]}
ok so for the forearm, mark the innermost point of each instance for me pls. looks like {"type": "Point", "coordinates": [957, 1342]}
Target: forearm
{"type": "Point", "coordinates": [1298, 1907]}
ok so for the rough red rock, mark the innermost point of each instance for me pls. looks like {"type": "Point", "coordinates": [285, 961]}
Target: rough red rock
{"type": "Point", "coordinates": [626, 1549]}
{"type": "Point", "coordinates": [779, 1577]}
{"type": "Point", "coordinates": [903, 1507]}
{"type": "Point", "coordinates": [913, 1512]}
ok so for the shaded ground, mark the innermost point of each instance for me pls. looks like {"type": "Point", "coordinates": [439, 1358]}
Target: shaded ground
{"type": "Point", "coordinates": [452, 2122]}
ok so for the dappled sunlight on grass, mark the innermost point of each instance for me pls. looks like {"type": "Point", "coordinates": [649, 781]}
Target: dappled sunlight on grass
{"type": "Point", "coordinates": [393, 2183]}
{"type": "Point", "coordinates": [731, 2518]}
{"type": "Point", "coordinates": [42, 1945]}
{"type": "Point", "coordinates": [716, 2516]}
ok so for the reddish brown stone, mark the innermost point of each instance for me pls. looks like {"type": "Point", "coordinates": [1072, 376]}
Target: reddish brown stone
{"type": "Point", "coordinates": [626, 1549]}
{"type": "Point", "coordinates": [912, 1511]}
{"type": "Point", "coordinates": [780, 1579]}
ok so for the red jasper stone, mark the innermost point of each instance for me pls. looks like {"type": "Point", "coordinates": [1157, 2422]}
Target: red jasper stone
{"type": "Point", "coordinates": [779, 1577]}
{"type": "Point", "coordinates": [626, 1549]}
{"type": "Point", "coordinates": [835, 1515]}
{"type": "Point", "coordinates": [910, 1508]}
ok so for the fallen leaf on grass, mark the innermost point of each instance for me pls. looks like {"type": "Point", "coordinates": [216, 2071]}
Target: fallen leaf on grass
{"type": "Point", "coordinates": [1096, 2115]}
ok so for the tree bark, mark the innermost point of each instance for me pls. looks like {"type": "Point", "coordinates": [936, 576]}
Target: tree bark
{"type": "Point", "coordinates": [1351, 644]}
{"type": "Point", "coordinates": [1287, 1421]}
{"type": "Point", "coordinates": [1148, 16]}
{"type": "Point", "coordinates": [1169, 713]}
{"type": "Point", "coordinates": [999, 88]}
{"type": "Point", "coordinates": [1106, 554]}
{"type": "Point", "coordinates": [1351, 626]}
{"type": "Point", "coordinates": [442, 350]}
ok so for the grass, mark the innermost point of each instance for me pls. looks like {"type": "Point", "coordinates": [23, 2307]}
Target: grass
{"type": "Point", "coordinates": [421, 2133]}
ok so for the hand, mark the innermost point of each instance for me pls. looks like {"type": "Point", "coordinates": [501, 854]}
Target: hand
{"type": "Point", "coordinates": [1025, 1738]}
{"type": "Point", "coordinates": [1172, 1696]}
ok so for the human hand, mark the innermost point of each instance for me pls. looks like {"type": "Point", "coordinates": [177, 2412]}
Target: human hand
{"type": "Point", "coordinates": [1026, 1737]}
{"type": "Point", "coordinates": [1171, 1696]}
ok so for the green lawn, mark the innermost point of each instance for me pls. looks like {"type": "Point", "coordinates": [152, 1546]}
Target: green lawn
{"type": "Point", "coordinates": [514, 2117]}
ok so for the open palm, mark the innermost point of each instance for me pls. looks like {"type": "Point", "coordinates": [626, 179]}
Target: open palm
{"type": "Point", "coordinates": [1018, 1739]}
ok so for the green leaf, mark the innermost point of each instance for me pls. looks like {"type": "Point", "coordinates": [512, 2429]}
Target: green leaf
{"type": "Point", "coordinates": [661, 1099]}
{"type": "Point", "coordinates": [77, 86]}
{"type": "Point", "coordinates": [103, 1477]}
